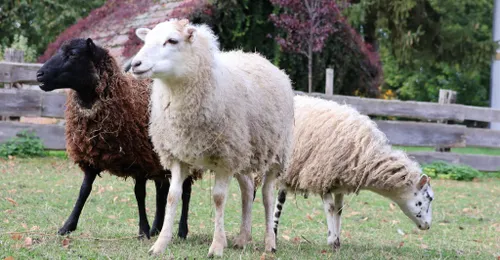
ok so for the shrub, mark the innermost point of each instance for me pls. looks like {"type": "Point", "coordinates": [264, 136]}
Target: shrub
{"type": "Point", "coordinates": [443, 170]}
{"type": "Point", "coordinates": [25, 144]}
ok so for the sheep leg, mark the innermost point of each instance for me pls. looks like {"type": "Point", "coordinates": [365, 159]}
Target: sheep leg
{"type": "Point", "coordinates": [219, 193]}
{"type": "Point", "coordinates": [161, 202]}
{"type": "Point", "coordinates": [247, 195]}
{"type": "Point", "coordinates": [186, 197]}
{"type": "Point", "coordinates": [333, 210]}
{"type": "Point", "coordinates": [179, 174]}
{"type": "Point", "coordinates": [140, 196]}
{"type": "Point", "coordinates": [85, 189]}
{"type": "Point", "coordinates": [329, 207]}
{"type": "Point", "coordinates": [339, 204]}
{"type": "Point", "coordinates": [280, 201]}
{"type": "Point", "coordinates": [268, 198]}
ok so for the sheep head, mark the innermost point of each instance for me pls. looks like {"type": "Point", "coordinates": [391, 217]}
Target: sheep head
{"type": "Point", "coordinates": [73, 66]}
{"type": "Point", "coordinates": [415, 202]}
{"type": "Point", "coordinates": [173, 49]}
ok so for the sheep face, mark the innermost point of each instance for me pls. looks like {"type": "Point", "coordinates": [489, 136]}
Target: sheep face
{"type": "Point", "coordinates": [73, 66]}
{"type": "Point", "coordinates": [416, 203]}
{"type": "Point", "coordinates": [164, 52]}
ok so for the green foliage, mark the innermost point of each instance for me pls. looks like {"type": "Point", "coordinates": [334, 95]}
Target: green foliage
{"type": "Point", "coordinates": [426, 45]}
{"type": "Point", "coordinates": [25, 144]}
{"type": "Point", "coordinates": [245, 25]}
{"type": "Point", "coordinates": [40, 21]}
{"type": "Point", "coordinates": [443, 170]}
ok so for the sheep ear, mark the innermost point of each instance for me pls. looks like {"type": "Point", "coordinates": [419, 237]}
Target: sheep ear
{"type": "Point", "coordinates": [423, 180]}
{"type": "Point", "coordinates": [141, 33]}
{"type": "Point", "coordinates": [91, 46]}
{"type": "Point", "coordinates": [190, 34]}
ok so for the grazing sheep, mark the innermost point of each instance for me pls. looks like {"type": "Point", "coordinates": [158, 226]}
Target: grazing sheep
{"type": "Point", "coordinates": [231, 112]}
{"type": "Point", "coordinates": [339, 151]}
{"type": "Point", "coordinates": [107, 128]}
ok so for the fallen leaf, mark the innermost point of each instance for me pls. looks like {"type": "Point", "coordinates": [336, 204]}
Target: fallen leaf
{"type": "Point", "coordinates": [401, 244]}
{"type": "Point", "coordinates": [16, 236]}
{"type": "Point", "coordinates": [364, 219]}
{"type": "Point", "coordinates": [24, 225]}
{"type": "Point", "coordinates": [477, 240]}
{"type": "Point", "coordinates": [12, 191]}
{"type": "Point", "coordinates": [323, 251]}
{"type": "Point", "coordinates": [309, 216]}
{"type": "Point", "coordinates": [424, 246]}
{"type": "Point", "coordinates": [401, 232]}
{"type": "Point", "coordinates": [6, 221]}
{"type": "Point", "coordinates": [392, 206]}
{"type": "Point", "coordinates": [296, 240]}
{"type": "Point", "coordinates": [101, 190]}
{"type": "Point", "coordinates": [13, 202]}
{"type": "Point", "coordinates": [65, 242]}
{"type": "Point", "coordinates": [348, 234]}
{"type": "Point", "coordinates": [9, 258]}
{"type": "Point", "coordinates": [287, 238]}
{"type": "Point", "coordinates": [354, 213]}
{"type": "Point", "coordinates": [28, 242]}
{"type": "Point", "coordinates": [112, 216]}
{"type": "Point", "coordinates": [465, 210]}
{"type": "Point", "coordinates": [115, 198]}
{"type": "Point", "coordinates": [35, 228]}
{"type": "Point", "coordinates": [202, 225]}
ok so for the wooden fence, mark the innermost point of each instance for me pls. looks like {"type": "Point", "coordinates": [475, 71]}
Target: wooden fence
{"type": "Point", "coordinates": [32, 103]}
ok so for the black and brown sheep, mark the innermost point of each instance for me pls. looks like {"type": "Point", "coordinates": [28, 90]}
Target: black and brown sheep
{"type": "Point", "coordinates": [107, 128]}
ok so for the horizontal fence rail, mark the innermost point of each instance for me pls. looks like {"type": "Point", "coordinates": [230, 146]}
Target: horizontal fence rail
{"type": "Point", "coordinates": [414, 109]}
{"type": "Point", "coordinates": [13, 72]}
{"type": "Point", "coordinates": [486, 163]}
{"type": "Point", "coordinates": [52, 135]}
{"type": "Point", "coordinates": [15, 102]}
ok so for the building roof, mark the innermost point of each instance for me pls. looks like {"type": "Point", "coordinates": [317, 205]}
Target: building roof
{"type": "Point", "coordinates": [113, 25]}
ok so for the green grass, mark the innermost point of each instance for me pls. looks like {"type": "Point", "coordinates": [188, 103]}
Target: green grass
{"type": "Point", "coordinates": [36, 196]}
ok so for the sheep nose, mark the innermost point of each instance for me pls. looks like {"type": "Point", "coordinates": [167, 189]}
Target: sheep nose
{"type": "Point", "coordinates": [136, 64]}
{"type": "Point", "coordinates": [39, 75]}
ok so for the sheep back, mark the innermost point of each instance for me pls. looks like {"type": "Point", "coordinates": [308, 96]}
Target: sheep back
{"type": "Point", "coordinates": [337, 148]}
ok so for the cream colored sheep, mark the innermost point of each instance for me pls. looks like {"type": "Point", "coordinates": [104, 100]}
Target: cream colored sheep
{"type": "Point", "coordinates": [339, 151]}
{"type": "Point", "coordinates": [231, 112]}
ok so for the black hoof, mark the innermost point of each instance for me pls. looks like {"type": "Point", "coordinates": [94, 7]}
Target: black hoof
{"type": "Point", "coordinates": [66, 230]}
{"type": "Point", "coordinates": [273, 250]}
{"type": "Point", "coordinates": [182, 234]}
{"type": "Point", "coordinates": [144, 232]}
{"type": "Point", "coordinates": [336, 244]}
{"type": "Point", "coordinates": [154, 232]}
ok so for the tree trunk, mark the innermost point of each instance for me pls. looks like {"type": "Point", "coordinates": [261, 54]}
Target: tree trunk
{"type": "Point", "coordinates": [310, 68]}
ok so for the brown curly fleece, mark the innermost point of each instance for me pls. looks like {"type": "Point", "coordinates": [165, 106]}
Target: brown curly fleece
{"type": "Point", "coordinates": [113, 134]}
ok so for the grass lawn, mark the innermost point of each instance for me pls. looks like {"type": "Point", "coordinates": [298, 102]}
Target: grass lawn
{"type": "Point", "coordinates": [36, 196]}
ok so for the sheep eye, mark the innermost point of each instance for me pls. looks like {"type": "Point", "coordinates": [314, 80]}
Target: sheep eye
{"type": "Point", "coordinates": [171, 41]}
{"type": "Point", "coordinates": [72, 53]}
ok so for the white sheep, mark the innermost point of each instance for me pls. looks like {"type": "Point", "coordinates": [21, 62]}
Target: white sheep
{"type": "Point", "coordinates": [231, 112]}
{"type": "Point", "coordinates": [339, 151]}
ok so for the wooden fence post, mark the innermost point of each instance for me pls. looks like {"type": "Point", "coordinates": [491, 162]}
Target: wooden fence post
{"type": "Point", "coordinates": [13, 55]}
{"type": "Point", "coordinates": [329, 82]}
{"type": "Point", "coordinates": [446, 96]}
